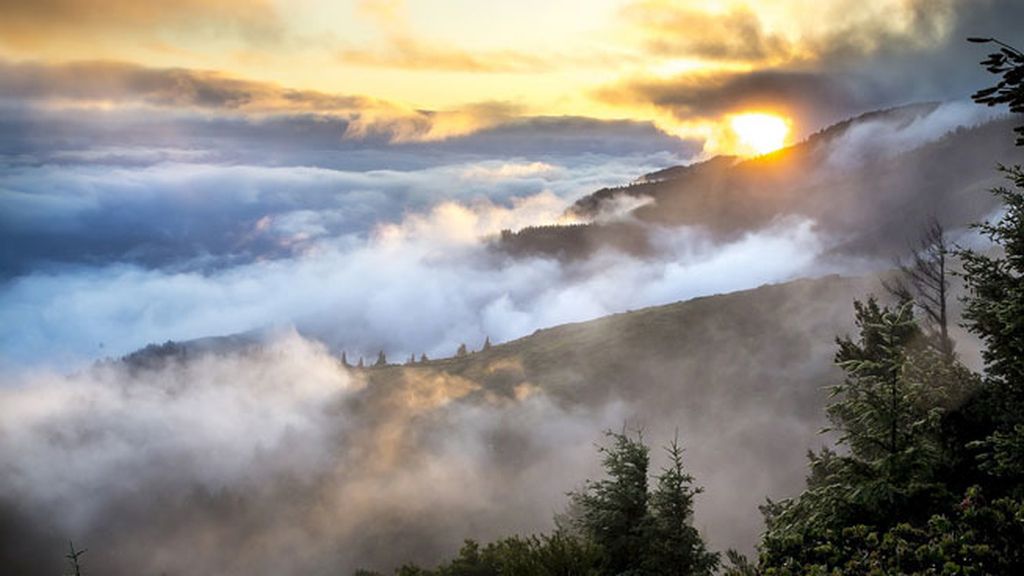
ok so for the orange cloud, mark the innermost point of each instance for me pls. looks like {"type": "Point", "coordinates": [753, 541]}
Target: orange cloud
{"type": "Point", "coordinates": [401, 48]}
{"type": "Point", "coordinates": [105, 84]}
{"type": "Point", "coordinates": [674, 30]}
{"type": "Point", "coordinates": [409, 53]}
{"type": "Point", "coordinates": [39, 22]}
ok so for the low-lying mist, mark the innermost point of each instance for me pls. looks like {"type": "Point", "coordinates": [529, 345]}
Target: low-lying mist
{"type": "Point", "coordinates": [274, 459]}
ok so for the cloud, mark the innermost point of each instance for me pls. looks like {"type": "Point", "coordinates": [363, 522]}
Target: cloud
{"type": "Point", "coordinates": [110, 258]}
{"type": "Point", "coordinates": [105, 84]}
{"type": "Point", "coordinates": [817, 65]}
{"type": "Point", "coordinates": [133, 93]}
{"type": "Point", "coordinates": [788, 31]}
{"type": "Point", "coordinates": [409, 53]}
{"type": "Point", "coordinates": [810, 97]}
{"type": "Point", "coordinates": [31, 24]}
{"type": "Point", "coordinates": [173, 213]}
{"type": "Point", "coordinates": [424, 284]}
{"type": "Point", "coordinates": [273, 459]}
{"type": "Point", "coordinates": [126, 83]}
{"type": "Point", "coordinates": [737, 34]}
{"type": "Point", "coordinates": [403, 49]}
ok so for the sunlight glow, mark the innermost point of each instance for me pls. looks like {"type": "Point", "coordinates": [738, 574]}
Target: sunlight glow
{"type": "Point", "coordinates": [759, 132]}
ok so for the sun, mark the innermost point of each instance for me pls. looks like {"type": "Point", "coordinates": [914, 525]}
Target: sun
{"type": "Point", "coordinates": [759, 132]}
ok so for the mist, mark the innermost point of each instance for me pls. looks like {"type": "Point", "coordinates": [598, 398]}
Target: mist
{"type": "Point", "coordinates": [275, 459]}
{"type": "Point", "coordinates": [267, 455]}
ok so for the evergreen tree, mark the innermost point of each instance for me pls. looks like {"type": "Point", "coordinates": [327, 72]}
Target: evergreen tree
{"type": "Point", "coordinates": [344, 359]}
{"type": "Point", "coordinates": [1007, 62]}
{"type": "Point", "coordinates": [360, 364]}
{"type": "Point", "coordinates": [382, 360]}
{"type": "Point", "coordinates": [887, 413]}
{"type": "Point", "coordinates": [921, 429]}
{"type": "Point", "coordinates": [613, 512]}
{"type": "Point", "coordinates": [423, 357]}
{"type": "Point", "coordinates": [676, 548]}
{"type": "Point", "coordinates": [994, 306]}
{"type": "Point", "coordinates": [487, 343]}
{"type": "Point", "coordinates": [462, 351]}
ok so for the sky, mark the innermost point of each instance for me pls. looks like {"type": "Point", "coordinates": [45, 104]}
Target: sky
{"type": "Point", "coordinates": [419, 70]}
{"type": "Point", "coordinates": [172, 170]}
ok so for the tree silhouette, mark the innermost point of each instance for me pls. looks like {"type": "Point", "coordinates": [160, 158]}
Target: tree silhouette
{"type": "Point", "coordinates": [1007, 62]}
{"type": "Point", "coordinates": [925, 281]}
{"type": "Point", "coordinates": [676, 548]}
{"type": "Point", "coordinates": [613, 511]}
{"type": "Point", "coordinates": [73, 556]}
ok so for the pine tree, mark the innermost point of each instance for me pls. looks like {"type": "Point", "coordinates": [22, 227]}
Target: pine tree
{"type": "Point", "coordinates": [360, 364]}
{"type": "Point", "coordinates": [462, 351]}
{"type": "Point", "coordinates": [487, 343]}
{"type": "Point", "coordinates": [613, 512]}
{"type": "Point", "coordinates": [676, 548]}
{"type": "Point", "coordinates": [382, 360]}
{"type": "Point", "coordinates": [995, 303]}
{"type": "Point", "coordinates": [423, 357]}
{"type": "Point", "coordinates": [344, 359]}
{"type": "Point", "coordinates": [1007, 62]}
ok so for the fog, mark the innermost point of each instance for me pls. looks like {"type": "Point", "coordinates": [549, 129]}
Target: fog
{"type": "Point", "coordinates": [274, 459]}
{"type": "Point", "coordinates": [268, 456]}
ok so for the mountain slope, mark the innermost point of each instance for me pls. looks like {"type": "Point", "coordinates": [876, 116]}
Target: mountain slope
{"type": "Point", "coordinates": [740, 375]}
{"type": "Point", "coordinates": [863, 181]}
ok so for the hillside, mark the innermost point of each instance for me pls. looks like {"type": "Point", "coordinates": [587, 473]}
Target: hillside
{"type": "Point", "coordinates": [855, 179]}
{"type": "Point", "coordinates": [740, 375]}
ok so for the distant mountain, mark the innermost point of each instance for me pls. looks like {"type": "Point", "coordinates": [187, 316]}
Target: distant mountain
{"type": "Point", "coordinates": [871, 182]}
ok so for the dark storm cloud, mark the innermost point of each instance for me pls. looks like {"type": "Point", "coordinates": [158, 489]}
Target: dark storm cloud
{"type": "Point", "coordinates": [174, 87]}
{"type": "Point", "coordinates": [810, 96]}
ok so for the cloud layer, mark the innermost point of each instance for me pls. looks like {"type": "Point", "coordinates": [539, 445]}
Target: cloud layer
{"type": "Point", "coordinates": [274, 460]}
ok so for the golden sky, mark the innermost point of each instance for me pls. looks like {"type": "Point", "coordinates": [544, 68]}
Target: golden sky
{"type": "Point", "coordinates": [477, 63]}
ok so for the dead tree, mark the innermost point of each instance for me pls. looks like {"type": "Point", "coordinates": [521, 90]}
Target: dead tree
{"type": "Point", "coordinates": [924, 279]}
{"type": "Point", "coordinates": [73, 558]}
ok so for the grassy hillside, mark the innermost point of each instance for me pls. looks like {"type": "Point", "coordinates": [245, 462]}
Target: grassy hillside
{"type": "Point", "coordinates": [740, 375]}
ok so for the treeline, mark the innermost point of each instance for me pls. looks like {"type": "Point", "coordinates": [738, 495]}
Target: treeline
{"type": "Point", "coordinates": [928, 475]}
{"type": "Point", "coordinates": [382, 358]}
{"type": "Point", "coordinates": [616, 525]}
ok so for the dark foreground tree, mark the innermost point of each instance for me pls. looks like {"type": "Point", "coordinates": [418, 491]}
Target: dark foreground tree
{"type": "Point", "coordinates": [613, 511]}
{"type": "Point", "coordinates": [1007, 62]}
{"type": "Point", "coordinates": [676, 548]}
{"type": "Point", "coordinates": [613, 527]}
{"type": "Point", "coordinates": [932, 479]}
